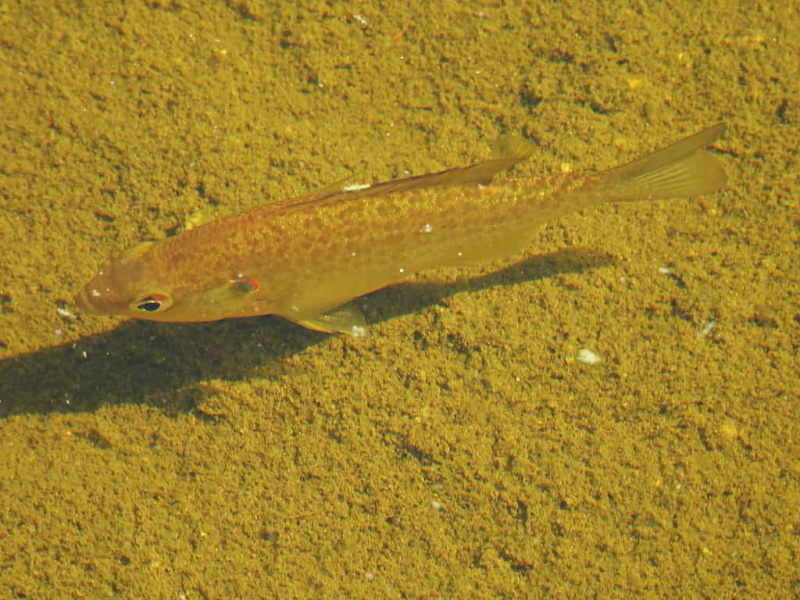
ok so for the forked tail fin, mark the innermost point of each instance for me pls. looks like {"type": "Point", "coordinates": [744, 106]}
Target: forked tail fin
{"type": "Point", "coordinates": [677, 171]}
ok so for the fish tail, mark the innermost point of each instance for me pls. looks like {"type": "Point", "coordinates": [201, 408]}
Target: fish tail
{"type": "Point", "coordinates": [677, 171]}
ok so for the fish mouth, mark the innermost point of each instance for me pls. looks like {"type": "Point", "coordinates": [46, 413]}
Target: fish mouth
{"type": "Point", "coordinates": [82, 301]}
{"type": "Point", "coordinates": [86, 302]}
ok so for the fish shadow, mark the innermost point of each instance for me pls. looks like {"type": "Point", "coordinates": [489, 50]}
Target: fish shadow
{"type": "Point", "coordinates": [162, 364]}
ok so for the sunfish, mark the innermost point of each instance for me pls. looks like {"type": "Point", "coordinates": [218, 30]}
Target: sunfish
{"type": "Point", "coordinates": [304, 259]}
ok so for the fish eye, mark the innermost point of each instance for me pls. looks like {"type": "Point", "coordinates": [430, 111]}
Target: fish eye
{"type": "Point", "coordinates": [151, 303]}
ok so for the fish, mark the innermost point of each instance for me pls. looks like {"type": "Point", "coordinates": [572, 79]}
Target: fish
{"type": "Point", "coordinates": [306, 258]}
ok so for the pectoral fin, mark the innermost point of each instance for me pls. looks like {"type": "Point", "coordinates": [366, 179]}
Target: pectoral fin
{"type": "Point", "coordinates": [346, 319]}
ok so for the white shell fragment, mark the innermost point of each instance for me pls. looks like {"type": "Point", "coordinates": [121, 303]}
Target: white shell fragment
{"type": "Point", "coordinates": [65, 314]}
{"type": "Point", "coordinates": [588, 357]}
{"type": "Point", "coordinates": [707, 328]}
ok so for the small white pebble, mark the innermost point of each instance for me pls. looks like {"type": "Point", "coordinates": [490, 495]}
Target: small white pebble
{"type": "Point", "coordinates": [665, 270]}
{"type": "Point", "coordinates": [588, 357]}
{"type": "Point", "coordinates": [369, 576]}
{"type": "Point", "coordinates": [436, 505]}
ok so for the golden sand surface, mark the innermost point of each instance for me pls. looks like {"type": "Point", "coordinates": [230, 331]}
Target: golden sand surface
{"type": "Point", "coordinates": [462, 450]}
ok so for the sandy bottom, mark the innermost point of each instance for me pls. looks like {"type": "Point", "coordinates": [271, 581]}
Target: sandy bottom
{"type": "Point", "coordinates": [462, 450]}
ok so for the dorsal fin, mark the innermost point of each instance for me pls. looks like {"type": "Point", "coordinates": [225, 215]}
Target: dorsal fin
{"type": "Point", "coordinates": [506, 152]}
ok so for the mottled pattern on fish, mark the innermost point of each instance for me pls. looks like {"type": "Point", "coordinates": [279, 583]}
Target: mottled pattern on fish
{"type": "Point", "coordinates": [302, 259]}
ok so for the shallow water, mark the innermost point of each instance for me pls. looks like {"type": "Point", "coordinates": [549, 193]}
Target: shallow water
{"type": "Point", "coordinates": [462, 450]}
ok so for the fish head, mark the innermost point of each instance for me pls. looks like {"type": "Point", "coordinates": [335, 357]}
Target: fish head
{"type": "Point", "coordinates": [123, 288]}
{"type": "Point", "coordinates": [136, 286]}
